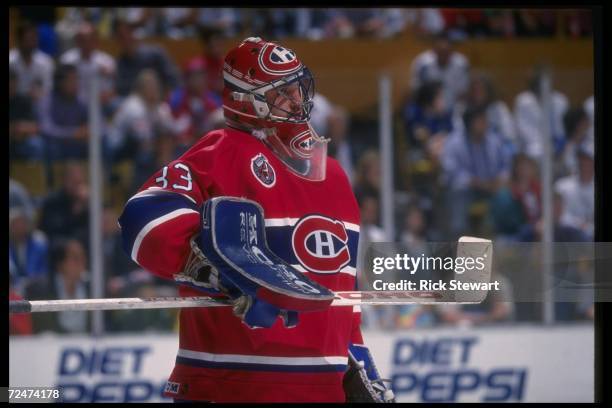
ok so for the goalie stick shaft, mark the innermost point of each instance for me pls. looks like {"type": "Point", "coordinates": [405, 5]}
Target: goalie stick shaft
{"type": "Point", "coordinates": [341, 299]}
{"type": "Point", "coordinates": [346, 298]}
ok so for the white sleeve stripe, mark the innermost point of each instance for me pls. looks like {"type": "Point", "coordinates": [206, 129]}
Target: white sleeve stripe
{"type": "Point", "coordinates": [152, 224]}
{"type": "Point", "coordinates": [289, 222]}
{"type": "Point", "coordinates": [242, 358]}
{"type": "Point", "coordinates": [151, 191]}
{"type": "Point", "coordinates": [351, 226]}
{"type": "Point", "coordinates": [356, 309]}
{"type": "Point", "coordinates": [280, 222]}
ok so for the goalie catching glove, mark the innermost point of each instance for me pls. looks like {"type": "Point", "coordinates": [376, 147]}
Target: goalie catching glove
{"type": "Point", "coordinates": [231, 257]}
{"type": "Point", "coordinates": [362, 382]}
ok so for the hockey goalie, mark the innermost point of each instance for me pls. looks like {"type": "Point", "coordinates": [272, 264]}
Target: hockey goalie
{"type": "Point", "coordinates": [258, 214]}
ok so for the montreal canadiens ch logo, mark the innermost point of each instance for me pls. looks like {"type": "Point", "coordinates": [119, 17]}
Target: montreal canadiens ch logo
{"type": "Point", "coordinates": [280, 55]}
{"type": "Point", "coordinates": [320, 244]}
{"type": "Point", "coordinates": [263, 170]}
{"type": "Point", "coordinates": [303, 144]}
{"type": "Point", "coordinates": [275, 60]}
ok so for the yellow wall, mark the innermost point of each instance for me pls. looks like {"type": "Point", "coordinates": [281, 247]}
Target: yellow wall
{"type": "Point", "coordinates": [346, 70]}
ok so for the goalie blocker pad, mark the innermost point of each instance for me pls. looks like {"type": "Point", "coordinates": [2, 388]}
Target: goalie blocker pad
{"type": "Point", "coordinates": [233, 239]}
{"type": "Point", "coordinates": [362, 382]}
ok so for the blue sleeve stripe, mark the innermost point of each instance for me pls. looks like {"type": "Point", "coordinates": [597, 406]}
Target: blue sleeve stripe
{"type": "Point", "coordinates": [143, 210]}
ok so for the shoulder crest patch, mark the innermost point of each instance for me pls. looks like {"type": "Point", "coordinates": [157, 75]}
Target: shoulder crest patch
{"type": "Point", "coordinates": [263, 170]}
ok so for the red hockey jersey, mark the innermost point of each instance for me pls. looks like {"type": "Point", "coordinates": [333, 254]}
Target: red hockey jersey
{"type": "Point", "coordinates": [312, 225]}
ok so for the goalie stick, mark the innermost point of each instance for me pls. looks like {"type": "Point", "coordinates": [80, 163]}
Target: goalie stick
{"type": "Point", "coordinates": [344, 298]}
{"type": "Point", "coordinates": [350, 298]}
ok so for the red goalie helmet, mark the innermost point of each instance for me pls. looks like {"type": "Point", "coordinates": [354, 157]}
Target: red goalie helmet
{"type": "Point", "coordinates": [269, 92]}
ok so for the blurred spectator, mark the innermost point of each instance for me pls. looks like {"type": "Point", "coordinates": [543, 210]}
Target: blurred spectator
{"type": "Point", "coordinates": [367, 180]}
{"type": "Point", "coordinates": [74, 17]}
{"type": "Point", "coordinates": [164, 150]}
{"type": "Point", "coordinates": [425, 21]}
{"type": "Point", "coordinates": [578, 23]}
{"type": "Point", "coordinates": [442, 63]}
{"type": "Point", "coordinates": [475, 166]}
{"type": "Point", "coordinates": [43, 18]}
{"type": "Point", "coordinates": [499, 22]}
{"type": "Point", "coordinates": [334, 23]}
{"type": "Point", "coordinates": [370, 230]}
{"type": "Point", "coordinates": [370, 215]}
{"type": "Point", "coordinates": [577, 125]}
{"type": "Point", "coordinates": [535, 23]}
{"type": "Point", "coordinates": [68, 281]}
{"type": "Point", "coordinates": [339, 146]}
{"type": "Point", "coordinates": [143, 20]}
{"type": "Point", "coordinates": [312, 23]}
{"type": "Point", "coordinates": [20, 198]}
{"type": "Point", "coordinates": [563, 232]}
{"type": "Point", "coordinates": [275, 23]}
{"type": "Point", "coordinates": [64, 117]}
{"type": "Point", "coordinates": [583, 273]}
{"type": "Point", "coordinates": [321, 114]}
{"type": "Point", "coordinates": [65, 212]}
{"type": "Point", "coordinates": [91, 61]}
{"type": "Point", "coordinates": [482, 92]}
{"type": "Point", "coordinates": [140, 283]}
{"type": "Point", "coordinates": [20, 324]}
{"type": "Point", "coordinates": [213, 56]}
{"type": "Point", "coordinates": [217, 119]}
{"type": "Point", "coordinates": [179, 22]}
{"type": "Point", "coordinates": [376, 22]}
{"type": "Point", "coordinates": [362, 22]}
{"type": "Point", "coordinates": [578, 192]}
{"type": "Point", "coordinates": [142, 118]}
{"type": "Point", "coordinates": [498, 307]}
{"type": "Point", "coordinates": [412, 316]}
{"type": "Point", "coordinates": [516, 208]}
{"type": "Point", "coordinates": [34, 68]}
{"type": "Point", "coordinates": [24, 139]}
{"type": "Point", "coordinates": [332, 121]}
{"type": "Point", "coordinates": [394, 22]}
{"type": "Point", "coordinates": [193, 103]}
{"type": "Point", "coordinates": [134, 57]}
{"type": "Point", "coordinates": [116, 261]}
{"type": "Point", "coordinates": [589, 108]}
{"type": "Point", "coordinates": [28, 248]}
{"type": "Point", "coordinates": [373, 317]}
{"type": "Point", "coordinates": [414, 234]}
{"type": "Point", "coordinates": [414, 241]}
{"type": "Point", "coordinates": [428, 120]}
{"type": "Point", "coordinates": [223, 20]}
{"type": "Point", "coordinates": [528, 116]}
{"type": "Point", "coordinates": [461, 23]}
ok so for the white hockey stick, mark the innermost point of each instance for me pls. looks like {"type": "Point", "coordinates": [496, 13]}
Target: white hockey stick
{"type": "Point", "coordinates": [349, 298]}
{"type": "Point", "coordinates": [341, 299]}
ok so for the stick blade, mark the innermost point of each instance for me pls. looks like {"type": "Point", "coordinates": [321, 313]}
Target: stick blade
{"type": "Point", "coordinates": [479, 249]}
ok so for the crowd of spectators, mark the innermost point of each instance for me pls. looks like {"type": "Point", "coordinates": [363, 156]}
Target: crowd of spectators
{"type": "Point", "coordinates": [150, 114]}
{"type": "Point", "coordinates": [61, 24]}
{"type": "Point", "coordinates": [482, 155]}
{"type": "Point", "coordinates": [485, 161]}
